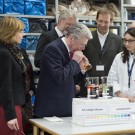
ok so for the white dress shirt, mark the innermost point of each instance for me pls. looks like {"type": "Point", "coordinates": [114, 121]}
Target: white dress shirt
{"type": "Point", "coordinates": [119, 74]}
{"type": "Point", "coordinates": [60, 34]}
{"type": "Point", "coordinates": [102, 38]}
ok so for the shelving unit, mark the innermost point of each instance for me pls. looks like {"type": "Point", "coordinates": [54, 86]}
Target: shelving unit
{"type": "Point", "coordinates": [28, 16]}
{"type": "Point", "coordinates": [80, 18]}
{"type": "Point", "coordinates": [125, 10]}
{"type": "Point", "coordinates": [116, 20]}
{"type": "Point", "coordinates": [120, 20]}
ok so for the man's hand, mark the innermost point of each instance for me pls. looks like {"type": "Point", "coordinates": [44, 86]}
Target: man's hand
{"type": "Point", "coordinates": [78, 56]}
{"type": "Point", "coordinates": [87, 64]}
{"type": "Point", "coordinates": [84, 64]}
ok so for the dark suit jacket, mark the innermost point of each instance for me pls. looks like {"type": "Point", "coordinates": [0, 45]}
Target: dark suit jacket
{"type": "Point", "coordinates": [11, 83]}
{"type": "Point", "coordinates": [56, 84]}
{"type": "Point", "coordinates": [96, 56]}
{"type": "Point", "coordinates": [44, 39]}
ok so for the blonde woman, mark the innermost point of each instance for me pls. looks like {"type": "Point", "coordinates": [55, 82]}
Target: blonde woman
{"type": "Point", "coordinates": [14, 76]}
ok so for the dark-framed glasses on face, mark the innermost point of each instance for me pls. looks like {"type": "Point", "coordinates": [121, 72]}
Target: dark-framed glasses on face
{"type": "Point", "coordinates": [82, 45]}
{"type": "Point", "coordinates": [129, 41]}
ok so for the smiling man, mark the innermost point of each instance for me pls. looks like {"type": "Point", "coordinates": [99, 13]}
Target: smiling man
{"type": "Point", "coordinates": [104, 46]}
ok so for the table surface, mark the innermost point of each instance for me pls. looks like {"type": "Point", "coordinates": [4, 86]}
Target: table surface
{"type": "Point", "coordinates": [68, 128]}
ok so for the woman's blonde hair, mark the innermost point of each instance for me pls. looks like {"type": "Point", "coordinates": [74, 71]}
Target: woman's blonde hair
{"type": "Point", "coordinates": [9, 26]}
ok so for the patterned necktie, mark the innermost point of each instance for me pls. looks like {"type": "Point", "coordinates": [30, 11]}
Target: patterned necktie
{"type": "Point", "coordinates": [71, 55]}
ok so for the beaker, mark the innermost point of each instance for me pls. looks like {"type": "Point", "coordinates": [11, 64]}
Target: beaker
{"type": "Point", "coordinates": [92, 87]}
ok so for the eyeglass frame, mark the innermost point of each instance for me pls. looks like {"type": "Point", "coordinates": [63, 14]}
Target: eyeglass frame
{"type": "Point", "coordinates": [82, 45]}
{"type": "Point", "coordinates": [129, 41]}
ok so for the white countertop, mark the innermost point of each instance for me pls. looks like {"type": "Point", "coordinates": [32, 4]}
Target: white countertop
{"type": "Point", "coordinates": [68, 128]}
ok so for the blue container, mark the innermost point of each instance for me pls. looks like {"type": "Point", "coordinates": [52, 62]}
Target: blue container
{"type": "Point", "coordinates": [1, 6]}
{"type": "Point", "coordinates": [26, 22]}
{"type": "Point", "coordinates": [35, 8]}
{"type": "Point", "coordinates": [31, 42]}
{"type": "Point", "coordinates": [34, 0]}
{"type": "Point", "coordinates": [10, 1]}
{"type": "Point", "coordinates": [14, 7]}
{"type": "Point", "coordinates": [23, 43]}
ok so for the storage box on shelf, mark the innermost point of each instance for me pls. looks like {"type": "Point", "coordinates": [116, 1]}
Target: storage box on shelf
{"type": "Point", "coordinates": [35, 7]}
{"type": "Point", "coordinates": [28, 7]}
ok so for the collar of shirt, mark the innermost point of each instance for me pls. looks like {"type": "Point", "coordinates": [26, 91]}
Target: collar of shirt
{"type": "Point", "coordinates": [60, 34]}
{"type": "Point", "coordinates": [63, 39]}
{"type": "Point", "coordinates": [101, 35]}
{"type": "Point", "coordinates": [131, 59]}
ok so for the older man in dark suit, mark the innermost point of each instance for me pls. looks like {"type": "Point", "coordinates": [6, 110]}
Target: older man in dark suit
{"type": "Point", "coordinates": [66, 19]}
{"type": "Point", "coordinates": [56, 83]}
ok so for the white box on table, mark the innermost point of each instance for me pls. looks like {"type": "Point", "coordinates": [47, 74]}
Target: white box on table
{"type": "Point", "coordinates": [88, 112]}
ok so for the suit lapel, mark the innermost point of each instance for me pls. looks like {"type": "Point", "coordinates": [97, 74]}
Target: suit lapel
{"type": "Point", "coordinates": [64, 51]}
{"type": "Point", "coordinates": [108, 42]}
{"type": "Point", "coordinates": [55, 33]}
{"type": "Point", "coordinates": [96, 42]}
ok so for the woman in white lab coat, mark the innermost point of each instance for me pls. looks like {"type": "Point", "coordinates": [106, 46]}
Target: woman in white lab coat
{"type": "Point", "coordinates": [122, 71]}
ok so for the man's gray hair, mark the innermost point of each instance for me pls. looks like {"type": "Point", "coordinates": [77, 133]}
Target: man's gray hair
{"type": "Point", "coordinates": [79, 30]}
{"type": "Point", "coordinates": [67, 13]}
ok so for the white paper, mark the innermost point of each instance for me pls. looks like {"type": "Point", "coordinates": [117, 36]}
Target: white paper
{"type": "Point", "coordinates": [53, 119]}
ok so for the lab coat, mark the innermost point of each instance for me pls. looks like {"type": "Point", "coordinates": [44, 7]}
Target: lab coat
{"type": "Point", "coordinates": [119, 75]}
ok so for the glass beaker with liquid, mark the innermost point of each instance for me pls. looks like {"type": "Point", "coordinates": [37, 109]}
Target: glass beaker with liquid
{"type": "Point", "coordinates": [107, 86]}
{"type": "Point", "coordinates": [92, 87]}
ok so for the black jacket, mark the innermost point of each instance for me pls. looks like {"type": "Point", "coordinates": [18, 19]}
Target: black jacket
{"type": "Point", "coordinates": [44, 39]}
{"type": "Point", "coordinates": [12, 89]}
{"type": "Point", "coordinates": [11, 83]}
